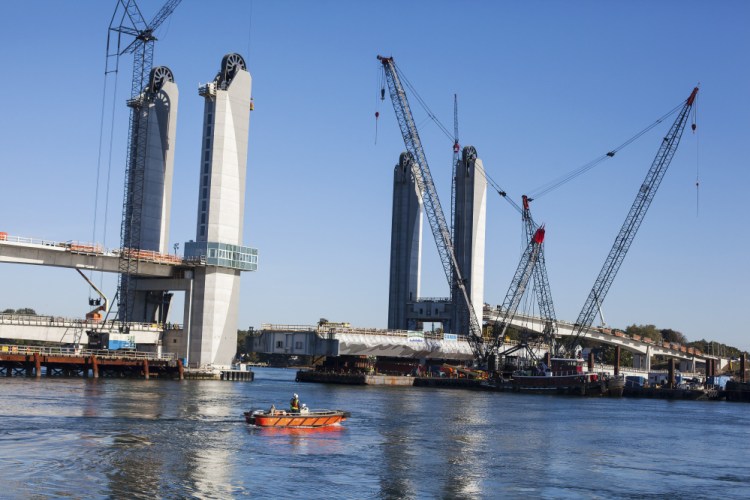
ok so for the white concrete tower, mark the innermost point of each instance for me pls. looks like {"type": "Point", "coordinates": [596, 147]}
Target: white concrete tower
{"type": "Point", "coordinates": [406, 244]}
{"type": "Point", "coordinates": [159, 169]}
{"type": "Point", "coordinates": [156, 189]}
{"type": "Point", "coordinates": [221, 202]}
{"type": "Point", "coordinates": [469, 236]}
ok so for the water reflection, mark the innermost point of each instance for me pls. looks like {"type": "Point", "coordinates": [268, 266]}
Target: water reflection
{"type": "Point", "coordinates": [167, 439]}
{"type": "Point", "coordinates": [398, 449]}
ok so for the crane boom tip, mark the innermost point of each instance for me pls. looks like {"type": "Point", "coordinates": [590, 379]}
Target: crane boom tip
{"type": "Point", "coordinates": [692, 96]}
{"type": "Point", "coordinates": [539, 235]}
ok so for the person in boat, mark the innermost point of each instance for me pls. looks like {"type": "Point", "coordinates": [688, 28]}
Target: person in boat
{"type": "Point", "coordinates": [294, 404]}
{"type": "Point", "coordinates": [272, 411]}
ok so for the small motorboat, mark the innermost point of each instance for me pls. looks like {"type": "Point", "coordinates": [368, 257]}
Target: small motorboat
{"type": "Point", "coordinates": [305, 418]}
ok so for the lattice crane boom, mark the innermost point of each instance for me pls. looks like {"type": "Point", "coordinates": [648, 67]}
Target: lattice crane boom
{"type": "Point", "coordinates": [132, 23]}
{"type": "Point", "coordinates": [541, 282]}
{"type": "Point", "coordinates": [433, 209]}
{"type": "Point", "coordinates": [633, 221]}
{"type": "Point", "coordinates": [524, 271]}
{"type": "Point", "coordinates": [455, 163]}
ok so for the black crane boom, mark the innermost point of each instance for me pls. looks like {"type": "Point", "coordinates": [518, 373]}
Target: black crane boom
{"type": "Point", "coordinates": [633, 221]}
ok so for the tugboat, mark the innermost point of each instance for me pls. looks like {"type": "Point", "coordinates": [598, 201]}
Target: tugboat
{"type": "Point", "coordinates": [304, 418]}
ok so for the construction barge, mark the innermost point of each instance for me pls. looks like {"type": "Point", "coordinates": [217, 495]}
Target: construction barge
{"type": "Point", "coordinates": [34, 361]}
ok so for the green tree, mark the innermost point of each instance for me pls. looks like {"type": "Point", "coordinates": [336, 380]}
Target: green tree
{"type": "Point", "coordinates": [9, 311]}
{"type": "Point", "coordinates": [608, 356]}
{"type": "Point", "coordinates": [670, 335]}
{"type": "Point", "coordinates": [649, 331]}
{"type": "Point", "coordinates": [26, 310]}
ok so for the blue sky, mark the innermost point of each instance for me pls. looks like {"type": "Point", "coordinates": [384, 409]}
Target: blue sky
{"type": "Point", "coordinates": [543, 88]}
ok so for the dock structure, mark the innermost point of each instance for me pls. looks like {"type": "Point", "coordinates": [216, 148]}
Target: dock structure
{"type": "Point", "coordinates": [38, 362]}
{"type": "Point", "coordinates": [33, 361]}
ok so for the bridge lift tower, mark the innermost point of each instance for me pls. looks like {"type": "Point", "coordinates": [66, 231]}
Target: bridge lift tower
{"type": "Point", "coordinates": [426, 187]}
{"type": "Point", "coordinates": [139, 205]}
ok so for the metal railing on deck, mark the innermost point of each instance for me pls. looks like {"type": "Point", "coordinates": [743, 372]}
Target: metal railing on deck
{"type": "Point", "coordinates": [326, 329]}
{"type": "Point", "coordinates": [114, 326]}
{"type": "Point", "coordinates": [79, 352]}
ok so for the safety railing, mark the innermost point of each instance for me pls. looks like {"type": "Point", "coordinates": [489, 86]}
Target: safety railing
{"type": "Point", "coordinates": [80, 352]}
{"type": "Point", "coordinates": [95, 249]}
{"type": "Point", "coordinates": [58, 321]}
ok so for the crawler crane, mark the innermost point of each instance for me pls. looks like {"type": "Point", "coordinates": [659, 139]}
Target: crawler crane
{"type": "Point", "coordinates": [635, 216]}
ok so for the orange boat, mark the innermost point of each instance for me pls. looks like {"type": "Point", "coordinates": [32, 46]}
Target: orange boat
{"type": "Point", "coordinates": [280, 418]}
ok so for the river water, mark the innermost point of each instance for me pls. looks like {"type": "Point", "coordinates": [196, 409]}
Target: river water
{"type": "Point", "coordinates": [115, 438]}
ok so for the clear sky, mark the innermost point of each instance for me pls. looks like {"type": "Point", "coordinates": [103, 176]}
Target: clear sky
{"type": "Point", "coordinates": [543, 88]}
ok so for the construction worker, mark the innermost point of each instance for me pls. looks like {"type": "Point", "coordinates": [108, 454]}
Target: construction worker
{"type": "Point", "coordinates": [294, 404]}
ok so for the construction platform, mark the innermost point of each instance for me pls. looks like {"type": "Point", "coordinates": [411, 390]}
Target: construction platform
{"type": "Point", "coordinates": [33, 361]}
{"type": "Point", "coordinates": [379, 379]}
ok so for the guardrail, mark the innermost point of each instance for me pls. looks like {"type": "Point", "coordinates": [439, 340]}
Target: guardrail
{"type": "Point", "coordinates": [58, 321]}
{"type": "Point", "coordinates": [339, 330]}
{"type": "Point", "coordinates": [96, 249]}
{"type": "Point", "coordinates": [78, 352]}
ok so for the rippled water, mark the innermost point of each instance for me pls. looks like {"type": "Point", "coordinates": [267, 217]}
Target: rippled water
{"type": "Point", "coordinates": [109, 438]}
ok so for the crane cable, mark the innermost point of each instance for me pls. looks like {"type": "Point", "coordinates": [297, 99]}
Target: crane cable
{"type": "Point", "coordinates": [546, 188]}
{"type": "Point", "coordinates": [694, 126]}
{"type": "Point", "coordinates": [422, 102]}
{"type": "Point", "coordinates": [109, 160]}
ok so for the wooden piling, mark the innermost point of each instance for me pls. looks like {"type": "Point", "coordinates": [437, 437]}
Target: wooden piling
{"type": "Point", "coordinates": [617, 360]}
{"type": "Point", "coordinates": [671, 373]}
{"type": "Point", "coordinates": [145, 369]}
{"type": "Point", "coordinates": [95, 366]}
{"type": "Point", "coordinates": [181, 369]}
{"type": "Point", "coordinates": [743, 366]}
{"type": "Point", "coordinates": [591, 361]}
{"type": "Point", "coordinates": [37, 365]}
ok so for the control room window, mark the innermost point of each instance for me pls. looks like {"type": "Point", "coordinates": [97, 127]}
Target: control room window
{"type": "Point", "coordinates": [279, 344]}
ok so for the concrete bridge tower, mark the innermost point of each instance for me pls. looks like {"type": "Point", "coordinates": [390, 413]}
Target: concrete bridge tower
{"type": "Point", "coordinates": [406, 244]}
{"type": "Point", "coordinates": [468, 235]}
{"type": "Point", "coordinates": [406, 309]}
{"type": "Point", "coordinates": [221, 202]}
{"type": "Point", "coordinates": [156, 190]}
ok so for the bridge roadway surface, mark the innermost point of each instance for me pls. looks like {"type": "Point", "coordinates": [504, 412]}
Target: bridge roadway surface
{"type": "Point", "coordinates": [604, 336]}
{"type": "Point", "coordinates": [335, 341]}
{"type": "Point", "coordinates": [14, 249]}
{"type": "Point", "coordinates": [63, 331]}
{"type": "Point", "coordinates": [86, 256]}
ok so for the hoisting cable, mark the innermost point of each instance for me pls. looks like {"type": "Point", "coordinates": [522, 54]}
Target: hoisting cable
{"type": "Point", "coordinates": [109, 162]}
{"type": "Point", "coordinates": [379, 81]}
{"type": "Point", "coordinates": [544, 189]}
{"type": "Point", "coordinates": [442, 127]}
{"type": "Point", "coordinates": [99, 163]}
{"type": "Point", "coordinates": [497, 188]}
{"type": "Point", "coordinates": [694, 126]}
{"type": "Point", "coordinates": [422, 102]}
